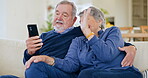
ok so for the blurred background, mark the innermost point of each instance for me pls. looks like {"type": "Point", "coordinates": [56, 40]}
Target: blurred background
{"type": "Point", "coordinates": [131, 16]}
{"type": "Point", "coordinates": [16, 14]}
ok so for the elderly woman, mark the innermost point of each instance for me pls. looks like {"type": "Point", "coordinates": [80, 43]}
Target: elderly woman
{"type": "Point", "coordinates": [96, 53]}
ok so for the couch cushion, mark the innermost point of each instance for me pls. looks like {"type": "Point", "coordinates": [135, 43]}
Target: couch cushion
{"type": "Point", "coordinates": [8, 76]}
{"type": "Point", "coordinates": [145, 74]}
{"type": "Point", "coordinates": [141, 56]}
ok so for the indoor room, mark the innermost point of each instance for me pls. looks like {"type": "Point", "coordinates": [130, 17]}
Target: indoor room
{"type": "Point", "coordinates": [129, 16]}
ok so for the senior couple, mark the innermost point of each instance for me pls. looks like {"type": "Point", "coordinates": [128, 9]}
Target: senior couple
{"type": "Point", "coordinates": [88, 51]}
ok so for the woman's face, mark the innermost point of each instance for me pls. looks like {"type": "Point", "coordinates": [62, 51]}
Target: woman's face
{"type": "Point", "coordinates": [92, 23]}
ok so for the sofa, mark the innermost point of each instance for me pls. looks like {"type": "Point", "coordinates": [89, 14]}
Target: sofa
{"type": "Point", "coordinates": [11, 56]}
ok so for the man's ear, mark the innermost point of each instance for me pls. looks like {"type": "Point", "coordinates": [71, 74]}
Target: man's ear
{"type": "Point", "coordinates": [74, 20]}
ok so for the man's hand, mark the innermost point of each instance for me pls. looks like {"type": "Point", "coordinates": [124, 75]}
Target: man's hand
{"type": "Point", "coordinates": [130, 55]}
{"type": "Point", "coordinates": [33, 44]}
{"type": "Point", "coordinates": [40, 58]}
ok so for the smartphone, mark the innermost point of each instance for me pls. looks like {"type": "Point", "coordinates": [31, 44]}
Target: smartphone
{"type": "Point", "coordinates": [32, 30]}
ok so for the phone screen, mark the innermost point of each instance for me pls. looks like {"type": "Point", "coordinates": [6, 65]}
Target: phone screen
{"type": "Point", "coordinates": [32, 29]}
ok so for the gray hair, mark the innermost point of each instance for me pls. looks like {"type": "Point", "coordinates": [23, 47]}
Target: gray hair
{"type": "Point", "coordinates": [97, 14]}
{"type": "Point", "coordinates": [74, 10]}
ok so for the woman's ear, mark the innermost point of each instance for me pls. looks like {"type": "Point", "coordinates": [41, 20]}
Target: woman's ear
{"type": "Point", "coordinates": [100, 22]}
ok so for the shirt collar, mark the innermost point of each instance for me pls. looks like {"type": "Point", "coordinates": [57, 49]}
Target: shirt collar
{"type": "Point", "coordinates": [67, 30]}
{"type": "Point", "coordinates": [101, 31]}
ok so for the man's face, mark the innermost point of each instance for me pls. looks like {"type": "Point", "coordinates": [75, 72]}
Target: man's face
{"type": "Point", "coordinates": [63, 17]}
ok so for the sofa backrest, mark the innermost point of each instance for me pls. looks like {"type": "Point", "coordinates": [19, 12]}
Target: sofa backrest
{"type": "Point", "coordinates": [141, 59]}
{"type": "Point", "coordinates": [12, 51]}
{"type": "Point", "coordinates": [11, 55]}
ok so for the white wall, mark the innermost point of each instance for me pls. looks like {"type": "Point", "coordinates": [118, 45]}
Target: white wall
{"type": "Point", "coordinates": [15, 14]}
{"type": "Point", "coordinates": [120, 9]}
{"type": "Point", "coordinates": [2, 18]}
{"type": "Point", "coordinates": [21, 12]}
{"type": "Point", "coordinates": [117, 8]}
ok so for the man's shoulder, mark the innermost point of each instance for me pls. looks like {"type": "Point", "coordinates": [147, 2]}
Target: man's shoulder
{"type": "Point", "coordinates": [47, 33]}
{"type": "Point", "coordinates": [76, 31]}
{"type": "Point", "coordinates": [77, 28]}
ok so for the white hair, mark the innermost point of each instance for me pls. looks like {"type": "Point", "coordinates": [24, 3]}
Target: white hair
{"type": "Point", "coordinates": [74, 10]}
{"type": "Point", "coordinates": [97, 14]}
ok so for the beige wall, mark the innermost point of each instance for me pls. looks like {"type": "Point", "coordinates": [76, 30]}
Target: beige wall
{"type": "Point", "coordinates": [2, 17]}
{"type": "Point", "coordinates": [120, 9]}
{"type": "Point", "coordinates": [21, 12]}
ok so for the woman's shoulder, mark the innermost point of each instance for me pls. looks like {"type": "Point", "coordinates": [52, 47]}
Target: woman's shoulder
{"type": "Point", "coordinates": [80, 38]}
{"type": "Point", "coordinates": [80, 41]}
{"type": "Point", "coordinates": [112, 29]}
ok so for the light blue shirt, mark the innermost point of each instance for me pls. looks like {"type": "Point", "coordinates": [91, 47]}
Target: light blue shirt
{"type": "Point", "coordinates": [99, 52]}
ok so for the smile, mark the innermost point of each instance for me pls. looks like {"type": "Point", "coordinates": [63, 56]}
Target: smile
{"type": "Point", "coordinates": [59, 22]}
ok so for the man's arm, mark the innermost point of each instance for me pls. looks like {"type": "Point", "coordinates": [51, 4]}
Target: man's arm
{"type": "Point", "coordinates": [130, 54]}
{"type": "Point", "coordinates": [26, 56]}
{"type": "Point", "coordinates": [69, 64]}
{"type": "Point", "coordinates": [33, 44]}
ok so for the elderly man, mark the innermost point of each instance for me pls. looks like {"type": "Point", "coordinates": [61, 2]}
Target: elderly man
{"type": "Point", "coordinates": [56, 43]}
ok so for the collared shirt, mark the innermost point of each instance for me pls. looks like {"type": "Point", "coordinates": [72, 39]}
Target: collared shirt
{"type": "Point", "coordinates": [67, 30]}
{"type": "Point", "coordinates": [99, 52]}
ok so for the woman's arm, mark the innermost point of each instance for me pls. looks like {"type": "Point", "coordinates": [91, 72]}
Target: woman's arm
{"type": "Point", "coordinates": [71, 62]}
{"type": "Point", "coordinates": [106, 50]}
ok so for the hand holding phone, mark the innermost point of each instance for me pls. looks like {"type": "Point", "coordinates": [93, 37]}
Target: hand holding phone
{"type": "Point", "coordinates": [33, 43]}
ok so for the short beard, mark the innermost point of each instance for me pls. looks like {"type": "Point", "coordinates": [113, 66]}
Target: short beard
{"type": "Point", "coordinates": [58, 28]}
